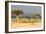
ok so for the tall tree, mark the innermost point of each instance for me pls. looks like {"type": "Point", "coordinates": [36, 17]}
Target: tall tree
{"type": "Point", "coordinates": [17, 12]}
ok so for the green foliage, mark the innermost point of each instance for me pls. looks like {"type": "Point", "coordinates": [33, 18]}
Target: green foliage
{"type": "Point", "coordinates": [17, 12]}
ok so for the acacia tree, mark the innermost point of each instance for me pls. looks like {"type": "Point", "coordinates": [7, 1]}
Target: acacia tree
{"type": "Point", "coordinates": [17, 12]}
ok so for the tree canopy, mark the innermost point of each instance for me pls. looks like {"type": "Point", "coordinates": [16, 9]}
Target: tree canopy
{"type": "Point", "coordinates": [17, 12]}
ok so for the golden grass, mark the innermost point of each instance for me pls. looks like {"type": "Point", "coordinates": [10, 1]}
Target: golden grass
{"type": "Point", "coordinates": [32, 23]}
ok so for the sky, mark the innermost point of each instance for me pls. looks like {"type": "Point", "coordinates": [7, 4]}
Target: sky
{"type": "Point", "coordinates": [27, 9]}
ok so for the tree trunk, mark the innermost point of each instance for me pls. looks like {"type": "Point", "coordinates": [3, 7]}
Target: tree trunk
{"type": "Point", "coordinates": [17, 19]}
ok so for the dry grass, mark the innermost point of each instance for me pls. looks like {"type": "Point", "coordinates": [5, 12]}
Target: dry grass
{"type": "Point", "coordinates": [24, 22]}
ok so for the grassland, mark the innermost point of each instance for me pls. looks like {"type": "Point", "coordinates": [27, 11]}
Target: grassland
{"type": "Point", "coordinates": [26, 23]}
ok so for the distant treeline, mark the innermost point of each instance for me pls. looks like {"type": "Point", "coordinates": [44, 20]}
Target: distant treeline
{"type": "Point", "coordinates": [33, 16]}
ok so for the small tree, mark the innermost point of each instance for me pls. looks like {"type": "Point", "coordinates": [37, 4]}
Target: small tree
{"type": "Point", "coordinates": [17, 12]}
